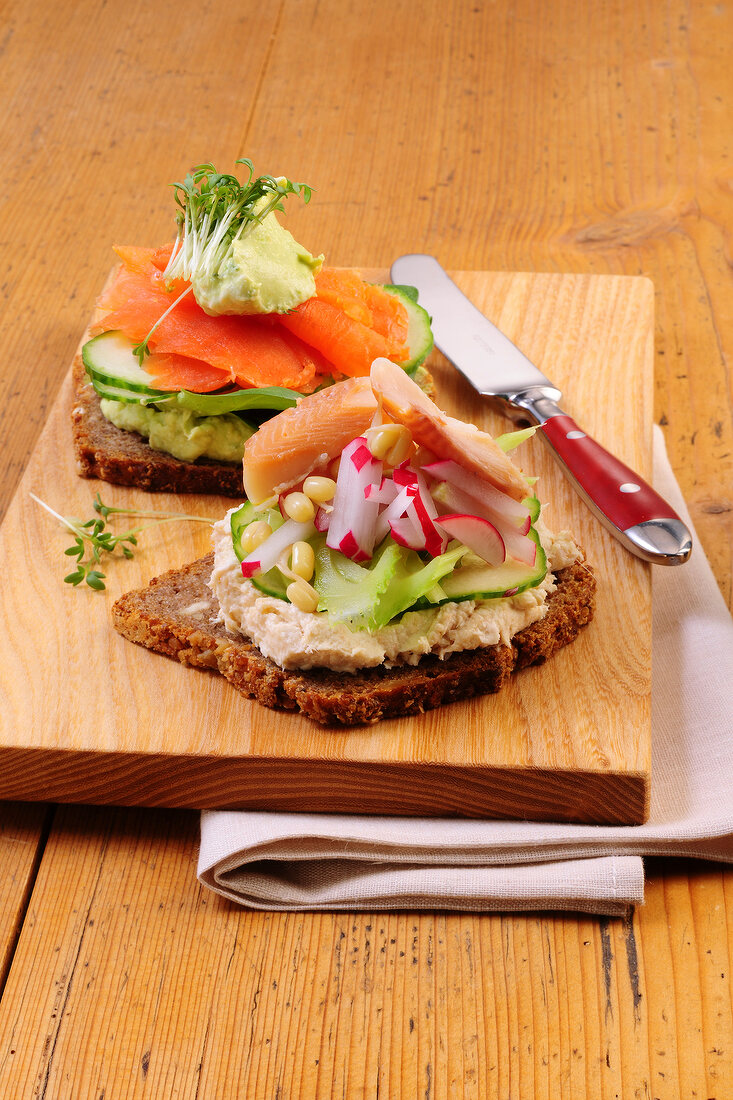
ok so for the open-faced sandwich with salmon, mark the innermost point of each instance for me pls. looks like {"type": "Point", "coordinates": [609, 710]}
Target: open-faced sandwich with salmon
{"type": "Point", "coordinates": [197, 343]}
{"type": "Point", "coordinates": [389, 558]}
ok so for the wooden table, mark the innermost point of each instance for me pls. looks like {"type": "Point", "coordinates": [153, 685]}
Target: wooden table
{"type": "Point", "coordinates": [522, 136]}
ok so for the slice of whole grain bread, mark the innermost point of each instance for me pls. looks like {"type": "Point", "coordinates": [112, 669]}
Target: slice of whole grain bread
{"type": "Point", "coordinates": [175, 615]}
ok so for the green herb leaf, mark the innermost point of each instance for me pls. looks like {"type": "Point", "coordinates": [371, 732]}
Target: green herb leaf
{"type": "Point", "coordinates": [93, 538]}
{"type": "Point", "coordinates": [215, 209]}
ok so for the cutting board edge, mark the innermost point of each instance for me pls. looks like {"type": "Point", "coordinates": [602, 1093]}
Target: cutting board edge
{"type": "Point", "coordinates": [315, 786]}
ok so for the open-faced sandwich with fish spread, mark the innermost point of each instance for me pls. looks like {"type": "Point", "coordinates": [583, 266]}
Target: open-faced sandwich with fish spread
{"type": "Point", "coordinates": [198, 342]}
{"type": "Point", "coordinates": [389, 558]}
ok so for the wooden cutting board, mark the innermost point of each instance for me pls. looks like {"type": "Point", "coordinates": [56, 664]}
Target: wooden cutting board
{"type": "Point", "coordinates": [89, 717]}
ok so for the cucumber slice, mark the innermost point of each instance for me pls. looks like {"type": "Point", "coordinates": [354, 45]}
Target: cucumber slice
{"type": "Point", "coordinates": [410, 292]}
{"type": "Point", "coordinates": [116, 393]}
{"type": "Point", "coordinates": [419, 335]}
{"type": "Point", "coordinates": [272, 583]}
{"type": "Point", "coordinates": [247, 514]}
{"type": "Point", "coordinates": [240, 519]}
{"type": "Point", "coordinates": [109, 360]}
{"type": "Point", "coordinates": [115, 373]}
{"type": "Point", "coordinates": [486, 582]}
{"type": "Point", "coordinates": [533, 503]}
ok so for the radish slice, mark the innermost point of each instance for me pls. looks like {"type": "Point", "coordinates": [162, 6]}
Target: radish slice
{"type": "Point", "coordinates": [404, 475]}
{"type": "Point", "coordinates": [266, 555]}
{"type": "Point", "coordinates": [393, 511]}
{"type": "Point", "coordinates": [516, 543]}
{"type": "Point", "coordinates": [407, 533]}
{"type": "Point", "coordinates": [411, 514]}
{"type": "Point", "coordinates": [352, 528]}
{"type": "Point", "coordinates": [322, 520]}
{"type": "Point", "coordinates": [511, 511]}
{"type": "Point", "coordinates": [426, 513]}
{"type": "Point", "coordinates": [385, 494]}
{"type": "Point", "coordinates": [477, 534]}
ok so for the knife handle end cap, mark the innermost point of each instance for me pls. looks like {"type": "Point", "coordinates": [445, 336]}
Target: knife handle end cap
{"type": "Point", "coordinates": [661, 541]}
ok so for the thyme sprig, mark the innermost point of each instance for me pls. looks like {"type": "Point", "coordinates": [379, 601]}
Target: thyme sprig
{"type": "Point", "coordinates": [215, 209]}
{"type": "Point", "coordinates": [93, 538]}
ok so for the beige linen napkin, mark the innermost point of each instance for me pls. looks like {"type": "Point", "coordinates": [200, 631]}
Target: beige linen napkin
{"type": "Point", "coordinates": [321, 861]}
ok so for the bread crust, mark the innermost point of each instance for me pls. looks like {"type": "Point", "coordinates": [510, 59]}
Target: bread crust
{"type": "Point", "coordinates": [174, 616]}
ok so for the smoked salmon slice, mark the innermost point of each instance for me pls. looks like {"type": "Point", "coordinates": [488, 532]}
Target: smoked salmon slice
{"type": "Point", "coordinates": [348, 344]}
{"type": "Point", "coordinates": [140, 267]}
{"type": "Point", "coordinates": [179, 372]}
{"type": "Point", "coordinates": [389, 317]}
{"type": "Point", "coordinates": [344, 288]}
{"type": "Point", "coordinates": [134, 257]}
{"type": "Point", "coordinates": [249, 351]}
{"type": "Point", "coordinates": [365, 304]}
{"type": "Point", "coordinates": [300, 440]}
{"type": "Point", "coordinates": [372, 305]}
{"type": "Point", "coordinates": [138, 258]}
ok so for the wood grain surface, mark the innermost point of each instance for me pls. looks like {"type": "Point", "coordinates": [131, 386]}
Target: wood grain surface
{"type": "Point", "coordinates": [524, 137]}
{"type": "Point", "coordinates": [570, 740]}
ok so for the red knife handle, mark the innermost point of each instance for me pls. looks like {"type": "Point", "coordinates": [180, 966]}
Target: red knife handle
{"type": "Point", "coordinates": [630, 508]}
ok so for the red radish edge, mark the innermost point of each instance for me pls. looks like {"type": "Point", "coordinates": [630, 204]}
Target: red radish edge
{"type": "Point", "coordinates": [477, 534]}
{"type": "Point", "coordinates": [322, 520]}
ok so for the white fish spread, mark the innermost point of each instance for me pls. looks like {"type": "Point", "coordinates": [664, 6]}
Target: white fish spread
{"type": "Point", "coordinates": [296, 639]}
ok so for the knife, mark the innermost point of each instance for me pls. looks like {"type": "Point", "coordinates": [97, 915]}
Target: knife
{"type": "Point", "coordinates": [631, 510]}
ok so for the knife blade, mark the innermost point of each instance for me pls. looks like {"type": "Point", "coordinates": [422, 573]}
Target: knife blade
{"type": "Point", "coordinates": [630, 509]}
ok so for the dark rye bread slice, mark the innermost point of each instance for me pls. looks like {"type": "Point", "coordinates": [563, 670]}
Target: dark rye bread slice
{"type": "Point", "coordinates": [175, 616]}
{"type": "Point", "coordinates": [124, 458]}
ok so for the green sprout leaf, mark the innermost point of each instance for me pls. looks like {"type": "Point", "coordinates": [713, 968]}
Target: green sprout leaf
{"type": "Point", "coordinates": [215, 210]}
{"type": "Point", "coordinates": [93, 538]}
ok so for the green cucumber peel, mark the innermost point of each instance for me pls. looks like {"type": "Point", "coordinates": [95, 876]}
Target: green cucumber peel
{"type": "Point", "coordinates": [272, 583]}
{"type": "Point", "coordinates": [533, 503]}
{"type": "Point", "coordinates": [407, 291]}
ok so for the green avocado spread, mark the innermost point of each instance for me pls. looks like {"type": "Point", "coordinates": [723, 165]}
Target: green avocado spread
{"type": "Point", "coordinates": [180, 432]}
{"type": "Point", "coordinates": [266, 271]}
